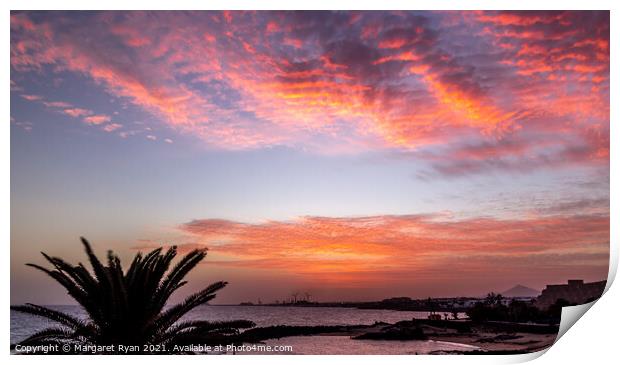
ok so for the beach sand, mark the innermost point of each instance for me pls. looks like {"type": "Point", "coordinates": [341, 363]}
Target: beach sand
{"type": "Point", "coordinates": [488, 339]}
{"type": "Point", "coordinates": [517, 342]}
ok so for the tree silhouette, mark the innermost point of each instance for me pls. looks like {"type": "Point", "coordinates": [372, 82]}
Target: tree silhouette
{"type": "Point", "coordinates": [129, 308]}
{"type": "Point", "coordinates": [493, 299]}
{"type": "Point", "coordinates": [455, 312]}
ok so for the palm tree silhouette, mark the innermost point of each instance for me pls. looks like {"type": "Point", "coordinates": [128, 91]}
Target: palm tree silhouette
{"type": "Point", "coordinates": [129, 308]}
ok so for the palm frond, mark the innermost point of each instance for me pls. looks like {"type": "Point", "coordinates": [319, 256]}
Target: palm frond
{"type": "Point", "coordinates": [128, 307]}
{"type": "Point", "coordinates": [173, 314]}
{"type": "Point", "coordinates": [67, 320]}
{"type": "Point", "coordinates": [100, 272]}
{"type": "Point", "coordinates": [52, 334]}
{"type": "Point", "coordinates": [195, 328]}
{"type": "Point", "coordinates": [174, 279]}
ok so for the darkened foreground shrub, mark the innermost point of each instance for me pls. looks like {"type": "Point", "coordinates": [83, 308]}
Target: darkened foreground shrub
{"type": "Point", "coordinates": [492, 309]}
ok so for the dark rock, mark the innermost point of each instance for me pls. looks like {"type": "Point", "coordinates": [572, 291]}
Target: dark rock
{"type": "Point", "coordinates": [394, 333]}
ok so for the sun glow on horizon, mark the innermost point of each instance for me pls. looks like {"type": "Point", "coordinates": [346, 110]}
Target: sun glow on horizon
{"type": "Point", "coordinates": [362, 150]}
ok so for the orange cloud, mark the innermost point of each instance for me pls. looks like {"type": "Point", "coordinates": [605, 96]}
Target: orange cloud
{"type": "Point", "coordinates": [392, 43]}
{"type": "Point", "coordinates": [146, 245]}
{"type": "Point", "coordinates": [347, 249]}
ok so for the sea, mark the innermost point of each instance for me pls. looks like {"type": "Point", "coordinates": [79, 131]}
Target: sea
{"type": "Point", "coordinates": [23, 325]}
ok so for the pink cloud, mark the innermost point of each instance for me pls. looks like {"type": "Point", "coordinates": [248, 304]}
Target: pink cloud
{"type": "Point", "coordinates": [56, 104]}
{"type": "Point", "coordinates": [97, 119]}
{"type": "Point", "coordinates": [125, 134]}
{"type": "Point", "coordinates": [373, 87]}
{"type": "Point", "coordinates": [77, 112]}
{"type": "Point", "coordinates": [31, 97]}
{"type": "Point", "coordinates": [111, 127]}
{"type": "Point", "coordinates": [27, 126]}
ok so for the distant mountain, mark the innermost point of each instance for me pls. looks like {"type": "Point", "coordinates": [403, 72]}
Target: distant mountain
{"type": "Point", "coordinates": [520, 291]}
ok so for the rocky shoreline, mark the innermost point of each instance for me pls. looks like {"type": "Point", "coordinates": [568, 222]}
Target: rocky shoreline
{"type": "Point", "coordinates": [489, 337]}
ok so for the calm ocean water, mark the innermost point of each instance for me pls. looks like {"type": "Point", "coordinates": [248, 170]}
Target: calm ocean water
{"type": "Point", "coordinates": [24, 325]}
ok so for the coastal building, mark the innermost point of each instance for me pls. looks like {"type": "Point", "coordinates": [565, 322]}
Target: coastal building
{"type": "Point", "coordinates": [575, 292]}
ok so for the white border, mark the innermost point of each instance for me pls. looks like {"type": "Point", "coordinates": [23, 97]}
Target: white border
{"type": "Point", "coordinates": [592, 340]}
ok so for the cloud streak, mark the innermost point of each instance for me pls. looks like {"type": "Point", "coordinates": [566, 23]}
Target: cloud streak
{"type": "Point", "coordinates": [371, 249]}
{"type": "Point", "coordinates": [349, 81]}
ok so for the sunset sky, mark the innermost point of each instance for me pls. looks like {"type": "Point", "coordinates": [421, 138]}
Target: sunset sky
{"type": "Point", "coordinates": [351, 155]}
